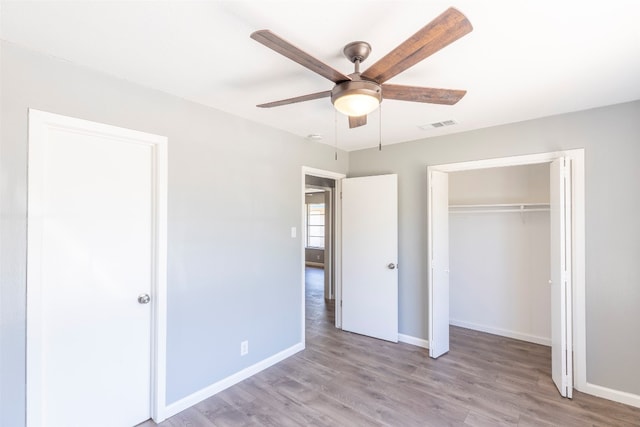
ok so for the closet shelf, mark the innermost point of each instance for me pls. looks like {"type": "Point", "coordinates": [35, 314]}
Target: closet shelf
{"type": "Point", "coordinates": [500, 208]}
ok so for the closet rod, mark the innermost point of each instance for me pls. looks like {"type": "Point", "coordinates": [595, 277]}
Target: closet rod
{"type": "Point", "coordinates": [500, 208]}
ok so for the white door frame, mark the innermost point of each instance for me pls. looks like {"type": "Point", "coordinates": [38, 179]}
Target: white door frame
{"type": "Point", "coordinates": [337, 242]}
{"type": "Point", "coordinates": [40, 123]}
{"type": "Point", "coordinates": [578, 240]}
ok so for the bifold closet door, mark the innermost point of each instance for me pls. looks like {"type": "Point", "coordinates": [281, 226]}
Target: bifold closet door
{"type": "Point", "coordinates": [438, 213]}
{"type": "Point", "coordinates": [560, 282]}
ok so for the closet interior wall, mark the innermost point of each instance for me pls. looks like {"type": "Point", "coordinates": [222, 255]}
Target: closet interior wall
{"type": "Point", "coordinates": [499, 251]}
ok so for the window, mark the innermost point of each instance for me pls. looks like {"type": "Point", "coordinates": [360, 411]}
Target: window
{"type": "Point", "coordinates": [315, 225]}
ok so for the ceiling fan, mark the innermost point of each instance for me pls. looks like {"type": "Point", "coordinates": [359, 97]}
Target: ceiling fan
{"type": "Point", "coordinates": [358, 94]}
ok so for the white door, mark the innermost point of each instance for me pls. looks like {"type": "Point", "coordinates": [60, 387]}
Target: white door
{"type": "Point", "coordinates": [370, 256]}
{"type": "Point", "coordinates": [90, 256]}
{"type": "Point", "coordinates": [438, 213]}
{"type": "Point", "coordinates": [561, 312]}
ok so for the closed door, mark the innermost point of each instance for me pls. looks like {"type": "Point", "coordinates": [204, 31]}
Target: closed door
{"type": "Point", "coordinates": [370, 256]}
{"type": "Point", "coordinates": [91, 252]}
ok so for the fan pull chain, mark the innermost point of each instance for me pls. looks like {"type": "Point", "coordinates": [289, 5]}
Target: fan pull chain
{"type": "Point", "coordinates": [380, 128]}
{"type": "Point", "coordinates": [335, 129]}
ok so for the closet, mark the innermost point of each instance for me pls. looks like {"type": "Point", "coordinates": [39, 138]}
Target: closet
{"type": "Point", "coordinates": [499, 251]}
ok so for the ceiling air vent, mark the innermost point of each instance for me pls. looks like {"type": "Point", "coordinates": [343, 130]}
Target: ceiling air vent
{"type": "Point", "coordinates": [438, 124]}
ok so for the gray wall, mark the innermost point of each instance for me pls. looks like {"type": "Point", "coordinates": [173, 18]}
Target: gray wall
{"type": "Point", "coordinates": [611, 138]}
{"type": "Point", "coordinates": [511, 184]}
{"type": "Point", "coordinates": [232, 183]}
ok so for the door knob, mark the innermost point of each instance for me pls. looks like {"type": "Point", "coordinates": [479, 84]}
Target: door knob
{"type": "Point", "coordinates": [391, 266]}
{"type": "Point", "coordinates": [144, 298]}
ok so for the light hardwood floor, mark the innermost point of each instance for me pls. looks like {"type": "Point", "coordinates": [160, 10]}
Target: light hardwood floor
{"type": "Point", "coordinates": [344, 379]}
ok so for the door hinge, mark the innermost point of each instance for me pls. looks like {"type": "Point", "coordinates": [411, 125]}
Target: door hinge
{"type": "Point", "coordinates": [563, 167]}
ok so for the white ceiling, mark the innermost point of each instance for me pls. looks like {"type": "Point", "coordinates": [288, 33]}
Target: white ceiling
{"type": "Point", "coordinates": [524, 59]}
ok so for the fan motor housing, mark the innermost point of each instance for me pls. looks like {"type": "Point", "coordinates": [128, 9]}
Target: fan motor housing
{"type": "Point", "coordinates": [354, 87]}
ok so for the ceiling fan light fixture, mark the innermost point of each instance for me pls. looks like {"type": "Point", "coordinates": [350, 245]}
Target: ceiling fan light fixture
{"type": "Point", "coordinates": [356, 98]}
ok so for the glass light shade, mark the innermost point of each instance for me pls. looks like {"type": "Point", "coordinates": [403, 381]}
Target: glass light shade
{"type": "Point", "coordinates": [356, 104]}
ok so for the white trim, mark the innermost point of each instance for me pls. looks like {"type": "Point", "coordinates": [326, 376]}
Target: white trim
{"type": "Point", "coordinates": [408, 339]}
{"type": "Point", "coordinates": [159, 308]}
{"type": "Point", "coordinates": [199, 396]}
{"type": "Point", "coordinates": [611, 394]}
{"type": "Point", "coordinates": [337, 253]}
{"type": "Point", "coordinates": [502, 332]}
{"type": "Point", "coordinates": [579, 272]}
{"type": "Point", "coordinates": [578, 224]}
{"type": "Point", "coordinates": [39, 124]}
{"type": "Point", "coordinates": [429, 261]}
{"type": "Point", "coordinates": [337, 241]}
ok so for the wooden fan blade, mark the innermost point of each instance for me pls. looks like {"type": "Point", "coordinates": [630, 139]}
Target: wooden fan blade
{"type": "Point", "coordinates": [445, 29]}
{"type": "Point", "coordinates": [356, 121]}
{"type": "Point", "coordinates": [295, 54]}
{"type": "Point", "coordinates": [422, 94]}
{"type": "Point", "coordinates": [302, 98]}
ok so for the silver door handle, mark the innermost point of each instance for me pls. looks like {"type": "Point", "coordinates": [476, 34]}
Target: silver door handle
{"type": "Point", "coordinates": [144, 298]}
{"type": "Point", "coordinates": [391, 266]}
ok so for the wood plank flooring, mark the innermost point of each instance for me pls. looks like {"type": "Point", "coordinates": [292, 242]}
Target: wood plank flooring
{"type": "Point", "coordinates": [344, 379]}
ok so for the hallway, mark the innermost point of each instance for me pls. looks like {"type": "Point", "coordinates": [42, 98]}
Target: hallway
{"type": "Point", "coordinates": [320, 313]}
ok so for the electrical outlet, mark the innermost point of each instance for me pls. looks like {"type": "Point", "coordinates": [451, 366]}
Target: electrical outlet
{"type": "Point", "coordinates": [244, 348]}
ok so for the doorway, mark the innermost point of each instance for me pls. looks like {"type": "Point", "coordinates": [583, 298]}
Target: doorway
{"type": "Point", "coordinates": [325, 187]}
{"type": "Point", "coordinates": [572, 346]}
{"type": "Point", "coordinates": [317, 230]}
{"type": "Point", "coordinates": [96, 275]}
{"type": "Point", "coordinates": [364, 262]}
{"type": "Point", "coordinates": [318, 239]}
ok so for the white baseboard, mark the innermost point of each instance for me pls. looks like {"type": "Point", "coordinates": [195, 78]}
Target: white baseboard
{"type": "Point", "coordinates": [413, 340]}
{"type": "Point", "coordinates": [502, 332]}
{"type": "Point", "coordinates": [611, 394]}
{"type": "Point", "coordinates": [199, 396]}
